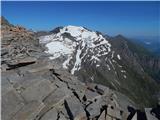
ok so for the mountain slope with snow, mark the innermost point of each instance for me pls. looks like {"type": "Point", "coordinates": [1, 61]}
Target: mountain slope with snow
{"type": "Point", "coordinates": [82, 43]}
{"type": "Point", "coordinates": [92, 57]}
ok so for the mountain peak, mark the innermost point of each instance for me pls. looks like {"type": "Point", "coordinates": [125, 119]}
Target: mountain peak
{"type": "Point", "coordinates": [76, 42]}
{"type": "Point", "coordinates": [119, 36]}
{"type": "Point", "coordinates": [78, 31]}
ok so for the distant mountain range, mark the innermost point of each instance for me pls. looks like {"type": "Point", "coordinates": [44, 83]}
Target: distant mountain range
{"type": "Point", "coordinates": [150, 43]}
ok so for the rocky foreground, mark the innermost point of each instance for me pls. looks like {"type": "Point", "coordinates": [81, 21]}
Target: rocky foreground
{"type": "Point", "coordinates": [35, 88]}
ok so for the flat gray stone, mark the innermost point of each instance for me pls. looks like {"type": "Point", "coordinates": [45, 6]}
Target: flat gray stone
{"type": "Point", "coordinates": [29, 111]}
{"type": "Point", "coordinates": [38, 91]}
{"type": "Point", "coordinates": [57, 96]}
{"type": "Point", "coordinates": [10, 75]}
{"type": "Point", "coordinates": [26, 81]}
{"type": "Point", "coordinates": [90, 95]}
{"type": "Point", "coordinates": [5, 86]}
{"type": "Point", "coordinates": [37, 67]}
{"type": "Point", "coordinates": [23, 60]}
{"type": "Point", "coordinates": [50, 115]}
{"type": "Point", "coordinates": [11, 103]}
{"type": "Point", "coordinates": [40, 67]}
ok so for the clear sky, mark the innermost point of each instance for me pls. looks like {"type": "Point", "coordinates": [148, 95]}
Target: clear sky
{"type": "Point", "coordinates": [112, 18]}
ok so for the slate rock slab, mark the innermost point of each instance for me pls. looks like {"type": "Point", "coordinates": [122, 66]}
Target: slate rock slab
{"type": "Point", "coordinates": [75, 109]}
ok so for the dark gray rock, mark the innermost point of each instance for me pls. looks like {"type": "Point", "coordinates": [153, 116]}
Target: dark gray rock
{"type": "Point", "coordinates": [75, 109]}
{"type": "Point", "coordinates": [93, 110]}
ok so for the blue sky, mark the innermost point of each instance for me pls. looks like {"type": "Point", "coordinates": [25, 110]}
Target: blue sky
{"type": "Point", "coordinates": [127, 18]}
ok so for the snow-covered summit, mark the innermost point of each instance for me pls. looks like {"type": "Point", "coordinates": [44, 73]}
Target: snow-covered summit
{"type": "Point", "coordinates": [76, 43]}
{"type": "Point", "coordinates": [78, 32]}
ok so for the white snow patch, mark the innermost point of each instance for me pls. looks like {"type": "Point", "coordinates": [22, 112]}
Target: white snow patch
{"type": "Point", "coordinates": [108, 67]}
{"type": "Point", "coordinates": [118, 56]}
{"type": "Point", "coordinates": [96, 58]}
{"type": "Point", "coordinates": [119, 65]}
{"type": "Point", "coordinates": [114, 61]}
{"type": "Point", "coordinates": [123, 71]}
{"type": "Point", "coordinates": [92, 78]}
{"type": "Point", "coordinates": [111, 64]}
{"type": "Point", "coordinates": [57, 49]}
{"type": "Point", "coordinates": [66, 62]}
{"type": "Point", "coordinates": [97, 65]}
{"type": "Point", "coordinates": [112, 54]}
{"type": "Point", "coordinates": [77, 64]}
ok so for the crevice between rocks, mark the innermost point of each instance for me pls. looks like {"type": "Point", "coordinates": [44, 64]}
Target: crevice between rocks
{"type": "Point", "coordinates": [73, 90]}
{"type": "Point", "coordinates": [39, 117]}
{"type": "Point", "coordinates": [18, 65]}
{"type": "Point", "coordinates": [68, 110]}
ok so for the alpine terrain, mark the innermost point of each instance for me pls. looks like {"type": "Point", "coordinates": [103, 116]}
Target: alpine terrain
{"type": "Point", "coordinates": [73, 73]}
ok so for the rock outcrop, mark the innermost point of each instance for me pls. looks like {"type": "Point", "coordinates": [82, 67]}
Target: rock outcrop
{"type": "Point", "coordinates": [41, 91]}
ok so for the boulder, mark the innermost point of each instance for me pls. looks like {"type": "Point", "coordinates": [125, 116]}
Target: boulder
{"type": "Point", "coordinates": [75, 109]}
{"type": "Point", "coordinates": [94, 110]}
{"type": "Point", "coordinates": [102, 89]}
{"type": "Point", "coordinates": [114, 112]}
